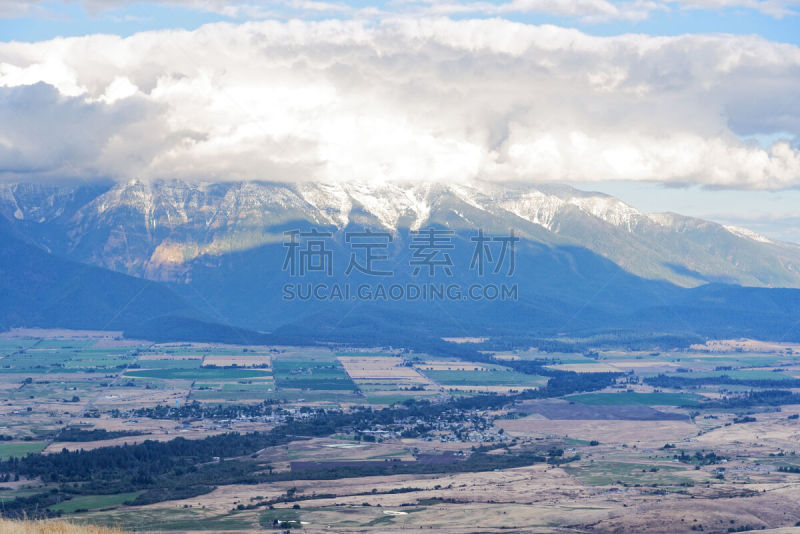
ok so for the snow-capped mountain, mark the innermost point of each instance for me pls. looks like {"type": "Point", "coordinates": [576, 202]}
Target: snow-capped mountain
{"type": "Point", "coordinates": [157, 230]}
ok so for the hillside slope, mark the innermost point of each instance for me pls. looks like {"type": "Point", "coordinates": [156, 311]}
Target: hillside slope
{"type": "Point", "coordinates": [39, 289]}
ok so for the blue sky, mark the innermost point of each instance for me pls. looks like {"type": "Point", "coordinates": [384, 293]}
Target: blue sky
{"type": "Point", "coordinates": [46, 20]}
{"type": "Point", "coordinates": [728, 151]}
{"type": "Point", "coordinates": [73, 19]}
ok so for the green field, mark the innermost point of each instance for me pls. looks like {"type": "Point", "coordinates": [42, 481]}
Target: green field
{"type": "Point", "coordinates": [611, 473]}
{"type": "Point", "coordinates": [151, 520]}
{"type": "Point", "coordinates": [627, 399]}
{"type": "Point", "coordinates": [334, 384]}
{"type": "Point", "coordinates": [735, 359]}
{"type": "Point", "coordinates": [298, 395]}
{"type": "Point", "coordinates": [64, 344]}
{"type": "Point", "coordinates": [66, 357]}
{"type": "Point", "coordinates": [739, 374]}
{"type": "Point", "coordinates": [7, 450]}
{"type": "Point", "coordinates": [260, 390]}
{"type": "Point", "coordinates": [8, 346]}
{"type": "Point", "coordinates": [94, 502]}
{"type": "Point", "coordinates": [201, 373]}
{"type": "Point", "coordinates": [365, 354]}
{"type": "Point", "coordinates": [316, 372]}
{"type": "Point", "coordinates": [193, 363]}
{"type": "Point", "coordinates": [266, 517]}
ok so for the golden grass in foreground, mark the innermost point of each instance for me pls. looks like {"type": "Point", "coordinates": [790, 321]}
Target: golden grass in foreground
{"type": "Point", "coordinates": [51, 526]}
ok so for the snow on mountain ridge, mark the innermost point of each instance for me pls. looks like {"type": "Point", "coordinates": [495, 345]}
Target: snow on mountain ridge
{"type": "Point", "coordinates": [334, 204]}
{"type": "Point", "coordinates": [535, 207]}
{"type": "Point", "coordinates": [609, 209]}
{"type": "Point", "coordinates": [7, 194]}
{"type": "Point", "coordinates": [748, 234]}
{"type": "Point", "coordinates": [330, 200]}
{"type": "Point", "coordinates": [155, 229]}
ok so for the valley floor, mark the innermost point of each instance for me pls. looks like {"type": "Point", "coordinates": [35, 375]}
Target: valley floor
{"type": "Point", "coordinates": [632, 457]}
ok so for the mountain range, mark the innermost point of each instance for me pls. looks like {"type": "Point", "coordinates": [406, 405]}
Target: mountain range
{"type": "Point", "coordinates": [585, 262]}
{"type": "Point", "coordinates": [156, 230]}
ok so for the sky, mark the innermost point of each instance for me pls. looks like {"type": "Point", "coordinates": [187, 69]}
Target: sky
{"type": "Point", "coordinates": [690, 106]}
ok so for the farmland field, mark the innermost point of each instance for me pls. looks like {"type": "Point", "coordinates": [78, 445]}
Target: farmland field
{"type": "Point", "coordinates": [626, 398]}
{"type": "Point", "coordinates": [94, 502]}
{"type": "Point", "coordinates": [387, 379]}
{"type": "Point", "coordinates": [612, 440]}
{"type": "Point", "coordinates": [631, 473]}
{"type": "Point", "coordinates": [8, 450]}
{"type": "Point", "coordinates": [200, 373]}
{"type": "Point", "coordinates": [314, 372]}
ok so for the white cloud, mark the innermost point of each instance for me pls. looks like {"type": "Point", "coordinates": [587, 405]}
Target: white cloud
{"type": "Point", "coordinates": [430, 99]}
{"type": "Point", "coordinates": [773, 8]}
{"type": "Point", "coordinates": [20, 8]}
{"type": "Point", "coordinates": [237, 9]}
{"type": "Point", "coordinates": [595, 11]}
{"type": "Point", "coordinates": [589, 11]}
{"type": "Point", "coordinates": [46, 134]}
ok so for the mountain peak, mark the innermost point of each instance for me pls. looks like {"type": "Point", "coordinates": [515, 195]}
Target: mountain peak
{"type": "Point", "coordinates": [156, 229]}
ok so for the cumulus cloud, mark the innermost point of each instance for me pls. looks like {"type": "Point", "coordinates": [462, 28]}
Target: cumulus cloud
{"type": "Point", "coordinates": [431, 99]}
{"type": "Point", "coordinates": [236, 9]}
{"type": "Point", "coordinates": [588, 11]}
{"type": "Point", "coordinates": [593, 11]}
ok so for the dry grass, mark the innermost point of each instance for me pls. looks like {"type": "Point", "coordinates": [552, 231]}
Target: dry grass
{"type": "Point", "coordinates": [378, 367]}
{"type": "Point", "coordinates": [606, 430]}
{"type": "Point", "coordinates": [745, 345]}
{"type": "Point", "coordinates": [52, 526]}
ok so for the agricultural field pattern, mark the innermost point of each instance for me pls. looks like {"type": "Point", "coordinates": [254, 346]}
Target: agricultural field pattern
{"type": "Point", "coordinates": [630, 456]}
